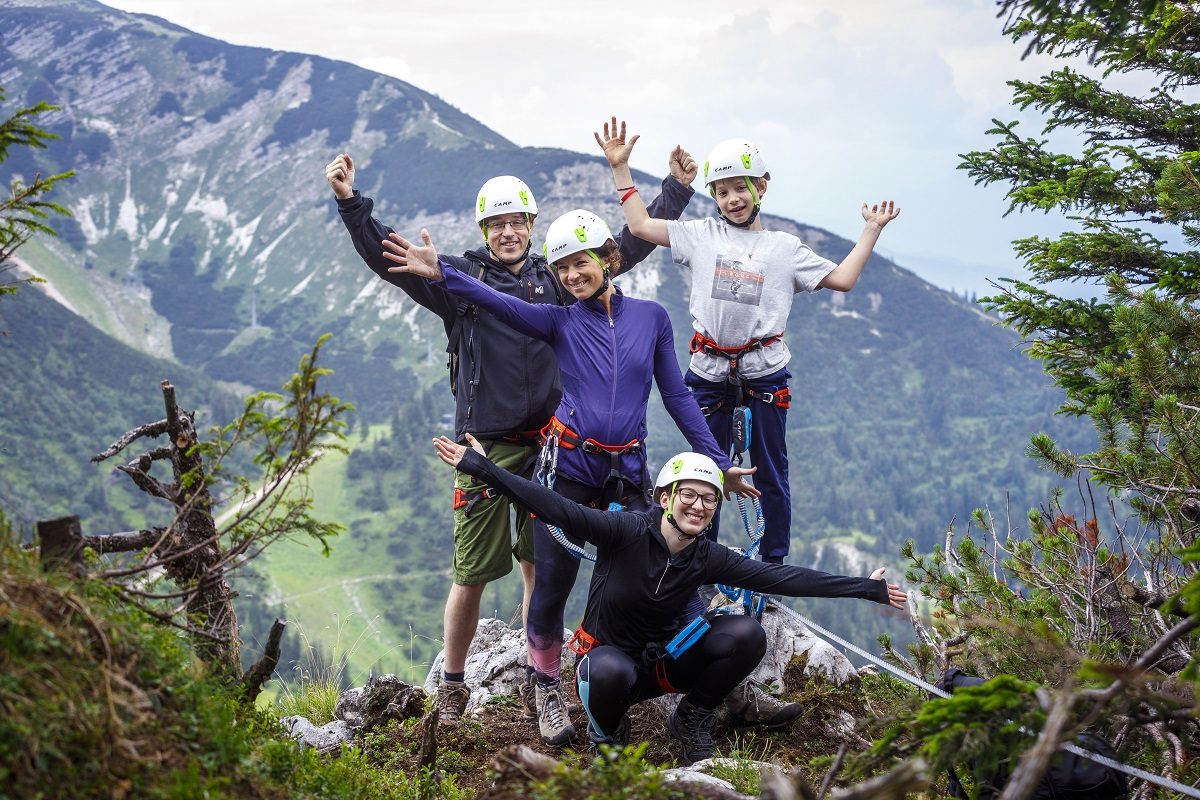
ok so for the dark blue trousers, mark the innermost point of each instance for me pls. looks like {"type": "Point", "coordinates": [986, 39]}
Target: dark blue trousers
{"type": "Point", "coordinates": [768, 452]}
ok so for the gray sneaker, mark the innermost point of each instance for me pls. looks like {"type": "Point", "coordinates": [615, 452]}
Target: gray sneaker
{"type": "Point", "coordinates": [452, 697]}
{"type": "Point", "coordinates": [553, 722]}
{"type": "Point", "coordinates": [749, 705]}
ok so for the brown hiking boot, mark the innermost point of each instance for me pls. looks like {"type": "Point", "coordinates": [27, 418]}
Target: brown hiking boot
{"type": "Point", "coordinates": [528, 697]}
{"type": "Point", "coordinates": [452, 697]}
{"type": "Point", "coordinates": [749, 705]}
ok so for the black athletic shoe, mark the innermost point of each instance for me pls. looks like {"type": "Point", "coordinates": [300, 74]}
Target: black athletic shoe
{"type": "Point", "coordinates": [692, 726]}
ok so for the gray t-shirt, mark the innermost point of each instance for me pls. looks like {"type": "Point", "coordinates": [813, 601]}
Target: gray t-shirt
{"type": "Point", "coordinates": [742, 287]}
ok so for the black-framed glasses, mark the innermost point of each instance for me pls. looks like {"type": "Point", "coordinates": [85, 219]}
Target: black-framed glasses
{"type": "Point", "coordinates": [690, 496]}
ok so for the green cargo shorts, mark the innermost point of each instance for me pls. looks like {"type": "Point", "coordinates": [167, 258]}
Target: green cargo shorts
{"type": "Point", "coordinates": [483, 546]}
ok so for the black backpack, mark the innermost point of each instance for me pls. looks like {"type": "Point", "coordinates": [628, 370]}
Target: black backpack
{"type": "Point", "coordinates": [1070, 776]}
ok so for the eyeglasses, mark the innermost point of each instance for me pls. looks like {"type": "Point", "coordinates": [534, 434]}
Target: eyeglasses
{"type": "Point", "coordinates": [498, 225]}
{"type": "Point", "coordinates": [690, 496]}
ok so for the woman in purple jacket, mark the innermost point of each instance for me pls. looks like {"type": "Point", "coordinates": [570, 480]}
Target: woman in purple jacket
{"type": "Point", "coordinates": [609, 348]}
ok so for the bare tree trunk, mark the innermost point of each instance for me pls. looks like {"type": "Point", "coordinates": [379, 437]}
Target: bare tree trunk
{"type": "Point", "coordinates": [210, 607]}
{"type": "Point", "coordinates": [61, 544]}
{"type": "Point", "coordinates": [260, 673]}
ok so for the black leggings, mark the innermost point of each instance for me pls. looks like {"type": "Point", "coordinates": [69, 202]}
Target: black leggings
{"type": "Point", "coordinates": [609, 681]}
{"type": "Point", "coordinates": [555, 570]}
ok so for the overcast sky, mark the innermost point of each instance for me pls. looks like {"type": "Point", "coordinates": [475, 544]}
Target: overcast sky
{"type": "Point", "coordinates": [850, 101]}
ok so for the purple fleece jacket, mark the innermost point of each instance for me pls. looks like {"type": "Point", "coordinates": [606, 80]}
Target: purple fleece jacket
{"type": "Point", "coordinates": [606, 365]}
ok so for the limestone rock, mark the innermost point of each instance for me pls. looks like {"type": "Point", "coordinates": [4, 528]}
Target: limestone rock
{"type": "Point", "coordinates": [495, 663]}
{"type": "Point", "coordinates": [382, 700]}
{"type": "Point", "coordinates": [328, 738]}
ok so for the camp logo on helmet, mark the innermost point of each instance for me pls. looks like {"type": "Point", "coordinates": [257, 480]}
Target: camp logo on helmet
{"type": "Point", "coordinates": [722, 169]}
{"type": "Point", "coordinates": [503, 203]}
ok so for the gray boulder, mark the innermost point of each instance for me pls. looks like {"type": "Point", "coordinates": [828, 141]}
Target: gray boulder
{"type": "Point", "coordinates": [328, 738]}
{"type": "Point", "coordinates": [495, 663]}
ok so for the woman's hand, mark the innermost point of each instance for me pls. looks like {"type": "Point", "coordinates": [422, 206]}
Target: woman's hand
{"type": "Point", "coordinates": [451, 452]}
{"type": "Point", "coordinates": [897, 597]}
{"type": "Point", "coordinates": [615, 148]}
{"type": "Point", "coordinates": [736, 484]}
{"type": "Point", "coordinates": [419, 260]}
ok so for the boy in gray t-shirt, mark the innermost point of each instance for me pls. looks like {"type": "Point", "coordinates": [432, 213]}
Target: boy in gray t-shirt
{"type": "Point", "coordinates": [743, 279]}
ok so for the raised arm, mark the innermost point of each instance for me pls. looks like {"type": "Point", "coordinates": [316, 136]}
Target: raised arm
{"type": "Point", "coordinates": [367, 233]}
{"type": "Point", "coordinates": [681, 405]}
{"type": "Point", "coordinates": [617, 151]}
{"type": "Point", "coordinates": [846, 274]}
{"type": "Point", "coordinates": [601, 528]}
{"type": "Point", "coordinates": [670, 204]}
{"type": "Point", "coordinates": [736, 569]}
{"type": "Point", "coordinates": [538, 320]}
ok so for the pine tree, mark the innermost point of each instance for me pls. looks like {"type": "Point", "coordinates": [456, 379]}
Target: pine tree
{"type": "Point", "coordinates": [1097, 605]}
{"type": "Point", "coordinates": [26, 211]}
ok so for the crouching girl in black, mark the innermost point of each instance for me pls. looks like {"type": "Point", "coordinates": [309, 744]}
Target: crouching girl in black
{"type": "Point", "coordinates": [648, 567]}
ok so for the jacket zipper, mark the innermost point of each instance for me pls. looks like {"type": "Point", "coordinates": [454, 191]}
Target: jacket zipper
{"type": "Point", "coordinates": [663, 576]}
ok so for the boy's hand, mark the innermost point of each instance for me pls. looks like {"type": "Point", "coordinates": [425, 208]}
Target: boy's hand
{"type": "Point", "coordinates": [340, 175]}
{"type": "Point", "coordinates": [616, 150]}
{"type": "Point", "coordinates": [880, 214]}
{"type": "Point", "coordinates": [415, 259]}
{"type": "Point", "coordinates": [735, 482]}
{"type": "Point", "coordinates": [682, 165]}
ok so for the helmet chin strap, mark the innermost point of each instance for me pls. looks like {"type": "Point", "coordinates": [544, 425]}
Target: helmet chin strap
{"type": "Point", "coordinates": [604, 284]}
{"type": "Point", "coordinates": [518, 260]}
{"type": "Point", "coordinates": [671, 519]}
{"type": "Point", "coordinates": [753, 214]}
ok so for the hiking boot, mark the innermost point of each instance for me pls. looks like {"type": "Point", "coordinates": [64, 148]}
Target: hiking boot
{"type": "Point", "coordinates": [749, 705]}
{"type": "Point", "coordinates": [620, 738]}
{"type": "Point", "coordinates": [528, 696]}
{"type": "Point", "coordinates": [692, 726]}
{"type": "Point", "coordinates": [553, 723]}
{"type": "Point", "coordinates": [452, 697]}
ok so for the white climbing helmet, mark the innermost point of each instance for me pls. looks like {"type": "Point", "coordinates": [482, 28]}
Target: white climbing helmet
{"type": "Point", "coordinates": [733, 158]}
{"type": "Point", "coordinates": [504, 194]}
{"type": "Point", "coordinates": [576, 231]}
{"type": "Point", "coordinates": [690, 467]}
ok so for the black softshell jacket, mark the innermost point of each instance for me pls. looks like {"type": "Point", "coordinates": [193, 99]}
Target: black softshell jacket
{"type": "Point", "coordinates": [639, 590]}
{"type": "Point", "coordinates": [507, 383]}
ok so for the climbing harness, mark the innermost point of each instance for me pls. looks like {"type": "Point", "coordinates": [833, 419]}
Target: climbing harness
{"type": "Point", "coordinates": [833, 638]}
{"type": "Point", "coordinates": [555, 435]}
{"type": "Point", "coordinates": [702, 344]}
{"type": "Point", "coordinates": [467, 501]}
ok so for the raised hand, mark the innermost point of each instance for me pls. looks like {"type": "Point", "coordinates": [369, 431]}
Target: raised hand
{"type": "Point", "coordinates": [419, 260]}
{"type": "Point", "coordinates": [880, 214]}
{"type": "Point", "coordinates": [340, 175]}
{"type": "Point", "coordinates": [682, 165]}
{"type": "Point", "coordinates": [735, 483]}
{"type": "Point", "coordinates": [615, 148]}
{"type": "Point", "coordinates": [451, 452]}
{"type": "Point", "coordinates": [897, 597]}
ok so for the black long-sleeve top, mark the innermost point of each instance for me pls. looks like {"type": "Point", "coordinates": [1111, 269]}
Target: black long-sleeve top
{"type": "Point", "coordinates": [639, 590]}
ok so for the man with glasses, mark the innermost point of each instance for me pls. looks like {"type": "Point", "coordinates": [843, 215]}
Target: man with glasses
{"type": "Point", "coordinates": [506, 385]}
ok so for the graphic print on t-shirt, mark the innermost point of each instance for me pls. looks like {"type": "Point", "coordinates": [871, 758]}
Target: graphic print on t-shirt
{"type": "Point", "coordinates": [733, 280]}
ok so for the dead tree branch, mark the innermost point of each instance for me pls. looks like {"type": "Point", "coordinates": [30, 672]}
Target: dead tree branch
{"type": "Point", "coordinates": [260, 673]}
{"type": "Point", "coordinates": [127, 438]}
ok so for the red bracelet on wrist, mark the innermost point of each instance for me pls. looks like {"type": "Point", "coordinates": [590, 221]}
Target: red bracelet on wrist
{"type": "Point", "coordinates": [628, 194]}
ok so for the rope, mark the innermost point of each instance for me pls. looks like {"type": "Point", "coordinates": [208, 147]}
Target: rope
{"type": "Point", "coordinates": [545, 476]}
{"type": "Point", "coordinates": [1168, 783]}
